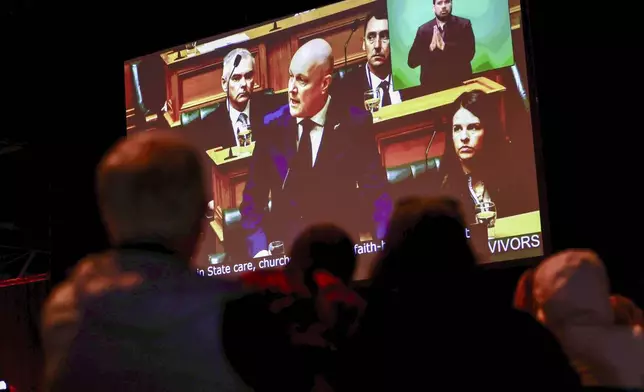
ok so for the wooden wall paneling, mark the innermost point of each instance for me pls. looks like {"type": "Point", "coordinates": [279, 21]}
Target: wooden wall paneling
{"type": "Point", "coordinates": [200, 85]}
{"type": "Point", "coordinates": [520, 59]}
{"type": "Point", "coordinates": [172, 94]}
{"type": "Point", "coordinates": [404, 145]}
{"type": "Point", "coordinates": [228, 183]}
{"type": "Point", "coordinates": [261, 68]}
{"type": "Point", "coordinates": [279, 54]}
{"type": "Point", "coordinates": [501, 109]}
{"type": "Point", "coordinates": [408, 151]}
{"type": "Point", "coordinates": [221, 189]}
{"type": "Point", "coordinates": [336, 33]}
{"type": "Point", "coordinates": [239, 183]}
{"type": "Point", "coordinates": [515, 14]}
{"type": "Point", "coordinates": [230, 189]}
{"type": "Point", "coordinates": [196, 82]}
{"type": "Point", "coordinates": [130, 98]}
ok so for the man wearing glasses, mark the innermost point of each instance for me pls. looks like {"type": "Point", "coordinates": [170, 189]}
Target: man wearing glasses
{"type": "Point", "coordinates": [376, 73]}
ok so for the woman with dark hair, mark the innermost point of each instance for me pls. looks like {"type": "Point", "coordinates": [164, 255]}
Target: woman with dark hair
{"type": "Point", "coordinates": [478, 166]}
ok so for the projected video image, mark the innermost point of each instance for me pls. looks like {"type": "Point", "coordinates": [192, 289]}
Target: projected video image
{"type": "Point", "coordinates": [301, 121]}
{"type": "Point", "coordinates": [440, 44]}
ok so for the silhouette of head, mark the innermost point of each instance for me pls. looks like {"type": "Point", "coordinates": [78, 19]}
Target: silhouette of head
{"type": "Point", "coordinates": [425, 241]}
{"type": "Point", "coordinates": [326, 247]}
{"type": "Point", "coordinates": [150, 188]}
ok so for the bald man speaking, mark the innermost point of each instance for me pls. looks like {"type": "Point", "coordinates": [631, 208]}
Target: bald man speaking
{"type": "Point", "coordinates": [318, 162]}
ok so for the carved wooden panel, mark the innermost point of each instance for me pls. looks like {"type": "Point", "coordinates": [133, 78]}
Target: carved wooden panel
{"type": "Point", "coordinates": [240, 184]}
{"type": "Point", "coordinates": [278, 53]}
{"type": "Point", "coordinates": [200, 85]}
{"type": "Point", "coordinates": [336, 34]}
{"type": "Point", "coordinates": [405, 152]}
{"type": "Point", "coordinates": [221, 189]}
{"type": "Point", "coordinates": [228, 184]}
{"type": "Point", "coordinates": [403, 145]}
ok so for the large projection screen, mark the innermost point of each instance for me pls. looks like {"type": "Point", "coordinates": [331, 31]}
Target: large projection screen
{"type": "Point", "coordinates": [333, 114]}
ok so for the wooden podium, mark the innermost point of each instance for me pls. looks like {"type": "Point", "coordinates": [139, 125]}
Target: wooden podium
{"type": "Point", "coordinates": [228, 180]}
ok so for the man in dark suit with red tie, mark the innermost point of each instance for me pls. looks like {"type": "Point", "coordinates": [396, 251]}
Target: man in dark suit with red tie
{"type": "Point", "coordinates": [376, 72]}
{"type": "Point", "coordinates": [318, 162]}
{"type": "Point", "coordinates": [444, 48]}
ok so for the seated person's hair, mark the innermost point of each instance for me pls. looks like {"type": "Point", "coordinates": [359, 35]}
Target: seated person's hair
{"type": "Point", "coordinates": [150, 187]}
{"type": "Point", "coordinates": [378, 12]}
{"type": "Point", "coordinates": [425, 239]}
{"type": "Point", "coordinates": [325, 246]}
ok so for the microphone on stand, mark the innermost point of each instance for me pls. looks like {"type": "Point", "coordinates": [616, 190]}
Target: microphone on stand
{"type": "Point", "coordinates": [275, 27]}
{"type": "Point", "coordinates": [230, 154]}
{"type": "Point", "coordinates": [522, 92]}
{"type": "Point", "coordinates": [354, 27]}
{"type": "Point", "coordinates": [235, 65]}
{"type": "Point", "coordinates": [429, 145]}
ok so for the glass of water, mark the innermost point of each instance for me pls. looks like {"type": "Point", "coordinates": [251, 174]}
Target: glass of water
{"type": "Point", "coordinates": [245, 136]}
{"type": "Point", "coordinates": [486, 214]}
{"type": "Point", "coordinates": [372, 100]}
{"type": "Point", "coordinates": [276, 248]}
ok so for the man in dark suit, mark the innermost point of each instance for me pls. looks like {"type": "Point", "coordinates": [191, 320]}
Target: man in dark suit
{"type": "Point", "coordinates": [221, 128]}
{"type": "Point", "coordinates": [317, 162]}
{"type": "Point", "coordinates": [444, 48]}
{"type": "Point", "coordinates": [376, 72]}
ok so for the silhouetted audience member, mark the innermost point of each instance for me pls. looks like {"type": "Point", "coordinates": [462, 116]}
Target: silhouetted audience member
{"type": "Point", "coordinates": [325, 255]}
{"type": "Point", "coordinates": [136, 317]}
{"type": "Point", "coordinates": [573, 294]}
{"type": "Point", "coordinates": [429, 325]}
{"type": "Point", "coordinates": [285, 336]}
{"type": "Point", "coordinates": [626, 312]}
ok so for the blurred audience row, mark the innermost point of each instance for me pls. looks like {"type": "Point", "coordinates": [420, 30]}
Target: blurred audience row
{"type": "Point", "coordinates": [137, 318]}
